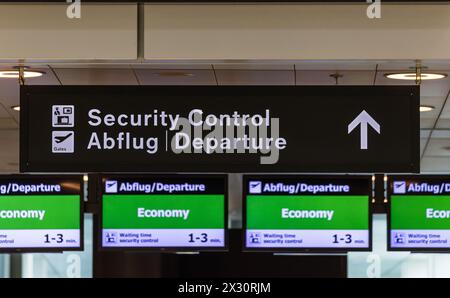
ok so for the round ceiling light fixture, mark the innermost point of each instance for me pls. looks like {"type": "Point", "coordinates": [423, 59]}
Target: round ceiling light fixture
{"type": "Point", "coordinates": [426, 108]}
{"type": "Point", "coordinates": [16, 108]}
{"type": "Point", "coordinates": [14, 74]}
{"type": "Point", "coordinates": [411, 76]}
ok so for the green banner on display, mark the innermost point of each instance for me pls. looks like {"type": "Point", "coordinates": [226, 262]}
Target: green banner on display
{"type": "Point", "coordinates": [36, 212]}
{"type": "Point", "coordinates": [307, 212]}
{"type": "Point", "coordinates": [127, 211]}
{"type": "Point", "coordinates": [420, 212]}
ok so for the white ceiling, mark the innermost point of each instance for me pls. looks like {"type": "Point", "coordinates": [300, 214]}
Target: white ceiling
{"type": "Point", "coordinates": [435, 125]}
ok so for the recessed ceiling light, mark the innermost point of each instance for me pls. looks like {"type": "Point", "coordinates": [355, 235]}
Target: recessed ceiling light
{"type": "Point", "coordinates": [14, 74]}
{"type": "Point", "coordinates": [424, 108]}
{"type": "Point", "coordinates": [174, 74]}
{"type": "Point", "coordinates": [16, 108]}
{"type": "Point", "coordinates": [411, 76]}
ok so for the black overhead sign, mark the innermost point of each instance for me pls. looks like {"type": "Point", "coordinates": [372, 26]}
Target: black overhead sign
{"type": "Point", "coordinates": [219, 129]}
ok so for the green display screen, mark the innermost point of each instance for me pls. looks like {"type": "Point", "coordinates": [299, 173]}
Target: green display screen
{"type": "Point", "coordinates": [180, 211]}
{"type": "Point", "coordinates": [307, 212]}
{"type": "Point", "coordinates": [164, 212]}
{"type": "Point", "coordinates": [321, 212]}
{"type": "Point", "coordinates": [40, 213]}
{"type": "Point", "coordinates": [419, 213]}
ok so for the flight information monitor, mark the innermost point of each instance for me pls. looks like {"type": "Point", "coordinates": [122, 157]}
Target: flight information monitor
{"type": "Point", "coordinates": [307, 213]}
{"type": "Point", "coordinates": [41, 213]}
{"type": "Point", "coordinates": [419, 213]}
{"type": "Point", "coordinates": [171, 212]}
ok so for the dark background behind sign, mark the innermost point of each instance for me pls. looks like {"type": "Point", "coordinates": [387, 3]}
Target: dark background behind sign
{"type": "Point", "coordinates": [314, 121]}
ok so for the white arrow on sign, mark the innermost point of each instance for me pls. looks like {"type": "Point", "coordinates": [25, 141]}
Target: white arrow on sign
{"type": "Point", "coordinates": [363, 119]}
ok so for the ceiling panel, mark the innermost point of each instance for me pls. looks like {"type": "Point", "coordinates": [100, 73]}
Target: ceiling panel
{"type": "Point", "coordinates": [438, 147]}
{"type": "Point", "coordinates": [423, 142]}
{"type": "Point", "coordinates": [48, 78]}
{"type": "Point", "coordinates": [425, 133]}
{"type": "Point", "coordinates": [436, 87]}
{"type": "Point", "coordinates": [176, 77]}
{"type": "Point", "coordinates": [9, 155]}
{"type": "Point", "coordinates": [5, 110]}
{"type": "Point", "coordinates": [323, 77]}
{"type": "Point", "coordinates": [9, 123]}
{"type": "Point", "coordinates": [443, 123]}
{"type": "Point", "coordinates": [404, 65]}
{"type": "Point", "coordinates": [94, 76]}
{"type": "Point", "coordinates": [255, 77]}
{"type": "Point", "coordinates": [116, 65]}
{"type": "Point", "coordinates": [444, 119]}
{"type": "Point", "coordinates": [435, 165]}
{"type": "Point", "coordinates": [441, 134]}
{"type": "Point", "coordinates": [435, 101]}
{"type": "Point", "coordinates": [445, 115]}
{"type": "Point", "coordinates": [173, 65]}
{"type": "Point", "coordinates": [409, 65]}
{"type": "Point", "coordinates": [336, 65]}
{"type": "Point", "coordinates": [437, 64]}
{"type": "Point", "coordinates": [9, 87]}
{"type": "Point", "coordinates": [255, 66]}
{"type": "Point", "coordinates": [427, 123]}
{"type": "Point", "coordinates": [428, 119]}
{"type": "Point", "coordinates": [9, 94]}
{"type": "Point", "coordinates": [315, 77]}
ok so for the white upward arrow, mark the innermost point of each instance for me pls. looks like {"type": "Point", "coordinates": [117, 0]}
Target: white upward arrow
{"type": "Point", "coordinates": [363, 119]}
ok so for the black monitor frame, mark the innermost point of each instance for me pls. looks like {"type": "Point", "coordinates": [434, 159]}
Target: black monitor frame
{"type": "Point", "coordinates": [392, 178]}
{"type": "Point", "coordinates": [324, 250]}
{"type": "Point", "coordinates": [62, 178]}
{"type": "Point", "coordinates": [171, 249]}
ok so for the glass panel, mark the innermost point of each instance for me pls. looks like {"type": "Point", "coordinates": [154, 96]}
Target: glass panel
{"type": "Point", "coordinates": [4, 266]}
{"type": "Point", "coordinates": [67, 264]}
{"type": "Point", "coordinates": [381, 263]}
